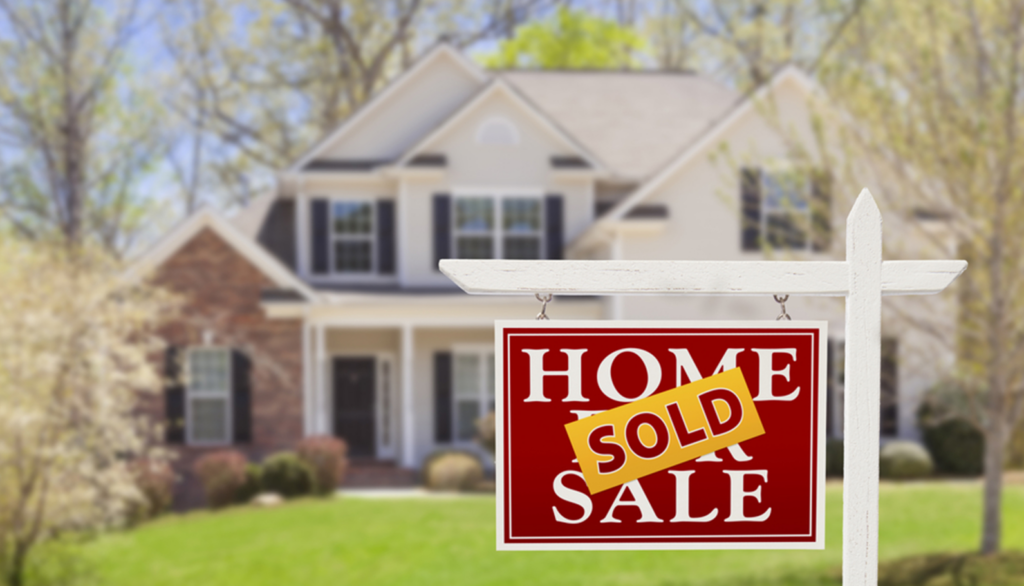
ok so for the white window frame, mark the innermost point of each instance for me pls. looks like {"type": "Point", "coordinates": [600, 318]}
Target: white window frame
{"type": "Point", "coordinates": [486, 355]}
{"type": "Point", "coordinates": [190, 393]}
{"type": "Point", "coordinates": [779, 169]}
{"type": "Point", "coordinates": [498, 231]}
{"type": "Point", "coordinates": [334, 237]}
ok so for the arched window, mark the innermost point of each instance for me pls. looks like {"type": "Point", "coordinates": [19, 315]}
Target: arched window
{"type": "Point", "coordinates": [497, 131]}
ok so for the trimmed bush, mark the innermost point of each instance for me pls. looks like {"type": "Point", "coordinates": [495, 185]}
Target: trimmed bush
{"type": "Point", "coordinates": [1001, 569]}
{"type": "Point", "coordinates": [902, 460]}
{"type": "Point", "coordinates": [327, 457]}
{"type": "Point", "coordinates": [834, 457]}
{"type": "Point", "coordinates": [453, 470]}
{"type": "Point", "coordinates": [253, 484]}
{"type": "Point", "coordinates": [222, 474]}
{"type": "Point", "coordinates": [956, 446]}
{"type": "Point", "coordinates": [155, 481]}
{"type": "Point", "coordinates": [287, 475]}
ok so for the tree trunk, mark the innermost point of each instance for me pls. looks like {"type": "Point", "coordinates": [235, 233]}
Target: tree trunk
{"type": "Point", "coordinates": [16, 573]}
{"type": "Point", "coordinates": [992, 518]}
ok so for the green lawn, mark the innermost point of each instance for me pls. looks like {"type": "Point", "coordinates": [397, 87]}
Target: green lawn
{"type": "Point", "coordinates": [451, 541]}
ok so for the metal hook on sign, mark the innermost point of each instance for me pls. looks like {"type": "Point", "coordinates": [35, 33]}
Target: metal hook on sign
{"type": "Point", "coordinates": [782, 303]}
{"type": "Point", "coordinates": [543, 315]}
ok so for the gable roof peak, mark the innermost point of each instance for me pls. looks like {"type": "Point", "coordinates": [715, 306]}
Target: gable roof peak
{"type": "Point", "coordinates": [442, 49]}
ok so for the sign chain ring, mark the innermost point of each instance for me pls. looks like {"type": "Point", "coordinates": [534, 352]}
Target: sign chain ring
{"type": "Point", "coordinates": [543, 315]}
{"type": "Point", "coordinates": [781, 300]}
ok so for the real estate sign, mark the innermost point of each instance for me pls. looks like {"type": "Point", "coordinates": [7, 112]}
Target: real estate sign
{"type": "Point", "coordinates": [660, 435]}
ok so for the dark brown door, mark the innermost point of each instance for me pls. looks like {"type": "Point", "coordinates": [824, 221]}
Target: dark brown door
{"type": "Point", "coordinates": [353, 404]}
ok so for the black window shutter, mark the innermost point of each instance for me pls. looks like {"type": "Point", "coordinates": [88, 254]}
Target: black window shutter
{"type": "Point", "coordinates": [554, 234]}
{"type": "Point", "coordinates": [821, 211]}
{"type": "Point", "coordinates": [174, 398]}
{"type": "Point", "coordinates": [443, 397]}
{"type": "Point", "coordinates": [319, 218]}
{"type": "Point", "coordinates": [750, 204]}
{"type": "Point", "coordinates": [241, 397]}
{"type": "Point", "coordinates": [442, 228]}
{"type": "Point", "coordinates": [386, 236]}
{"type": "Point", "coordinates": [889, 384]}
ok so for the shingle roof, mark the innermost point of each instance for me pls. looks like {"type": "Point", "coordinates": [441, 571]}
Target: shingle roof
{"type": "Point", "coordinates": [633, 121]}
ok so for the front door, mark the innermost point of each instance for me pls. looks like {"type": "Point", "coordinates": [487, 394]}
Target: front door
{"type": "Point", "coordinates": [353, 404]}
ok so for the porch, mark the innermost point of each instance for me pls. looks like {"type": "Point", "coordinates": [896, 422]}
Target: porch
{"type": "Point", "coordinates": [401, 375]}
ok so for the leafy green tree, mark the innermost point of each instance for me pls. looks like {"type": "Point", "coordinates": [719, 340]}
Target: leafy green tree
{"type": "Point", "coordinates": [570, 39]}
{"type": "Point", "coordinates": [936, 93]}
{"type": "Point", "coordinates": [256, 82]}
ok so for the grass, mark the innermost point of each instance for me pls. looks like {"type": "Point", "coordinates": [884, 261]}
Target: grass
{"type": "Point", "coordinates": [451, 541]}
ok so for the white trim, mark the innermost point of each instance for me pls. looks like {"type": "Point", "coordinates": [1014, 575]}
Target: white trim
{"type": "Point", "coordinates": [705, 142]}
{"type": "Point", "coordinates": [322, 383]}
{"type": "Point", "coordinates": [442, 49]}
{"type": "Point", "coordinates": [499, 85]}
{"type": "Point", "coordinates": [385, 403]}
{"type": "Point", "coordinates": [408, 452]}
{"type": "Point", "coordinates": [246, 247]}
{"type": "Point", "coordinates": [308, 407]}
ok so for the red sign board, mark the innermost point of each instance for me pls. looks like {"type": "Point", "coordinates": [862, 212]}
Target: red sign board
{"type": "Point", "coordinates": [764, 493]}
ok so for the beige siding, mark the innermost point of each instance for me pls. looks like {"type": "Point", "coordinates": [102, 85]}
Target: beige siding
{"type": "Point", "coordinates": [409, 113]}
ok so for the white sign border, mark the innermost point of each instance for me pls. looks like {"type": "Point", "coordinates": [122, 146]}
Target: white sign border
{"type": "Point", "coordinates": [605, 545]}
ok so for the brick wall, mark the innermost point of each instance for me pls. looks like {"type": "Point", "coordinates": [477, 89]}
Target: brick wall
{"type": "Point", "coordinates": [221, 290]}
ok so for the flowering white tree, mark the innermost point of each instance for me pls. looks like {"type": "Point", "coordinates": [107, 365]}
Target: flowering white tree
{"type": "Point", "coordinates": [76, 350]}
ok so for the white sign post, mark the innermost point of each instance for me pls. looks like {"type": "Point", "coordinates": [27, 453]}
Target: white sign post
{"type": "Point", "coordinates": [862, 278]}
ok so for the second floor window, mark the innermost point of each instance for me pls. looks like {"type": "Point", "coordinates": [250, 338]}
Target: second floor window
{"type": "Point", "coordinates": [498, 227]}
{"type": "Point", "coordinates": [786, 210]}
{"type": "Point", "coordinates": [353, 236]}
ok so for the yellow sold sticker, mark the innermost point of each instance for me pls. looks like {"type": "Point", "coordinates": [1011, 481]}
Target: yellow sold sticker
{"type": "Point", "coordinates": [663, 430]}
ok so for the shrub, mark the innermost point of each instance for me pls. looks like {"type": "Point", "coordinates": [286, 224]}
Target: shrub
{"type": "Point", "coordinates": [287, 475]}
{"type": "Point", "coordinates": [327, 457]}
{"type": "Point", "coordinates": [253, 484]}
{"type": "Point", "coordinates": [155, 481]}
{"type": "Point", "coordinates": [453, 470]}
{"type": "Point", "coordinates": [902, 460]}
{"type": "Point", "coordinates": [956, 446]}
{"type": "Point", "coordinates": [485, 432]}
{"type": "Point", "coordinates": [222, 474]}
{"type": "Point", "coordinates": [834, 457]}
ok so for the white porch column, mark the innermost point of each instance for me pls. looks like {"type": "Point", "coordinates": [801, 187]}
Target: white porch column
{"type": "Point", "coordinates": [408, 412]}
{"type": "Point", "coordinates": [308, 385]}
{"type": "Point", "coordinates": [323, 419]}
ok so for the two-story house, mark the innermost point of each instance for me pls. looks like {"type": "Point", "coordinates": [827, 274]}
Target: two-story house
{"type": "Point", "coordinates": [320, 309]}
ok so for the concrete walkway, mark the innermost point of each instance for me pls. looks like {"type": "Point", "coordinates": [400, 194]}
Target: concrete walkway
{"type": "Point", "coordinates": [405, 493]}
